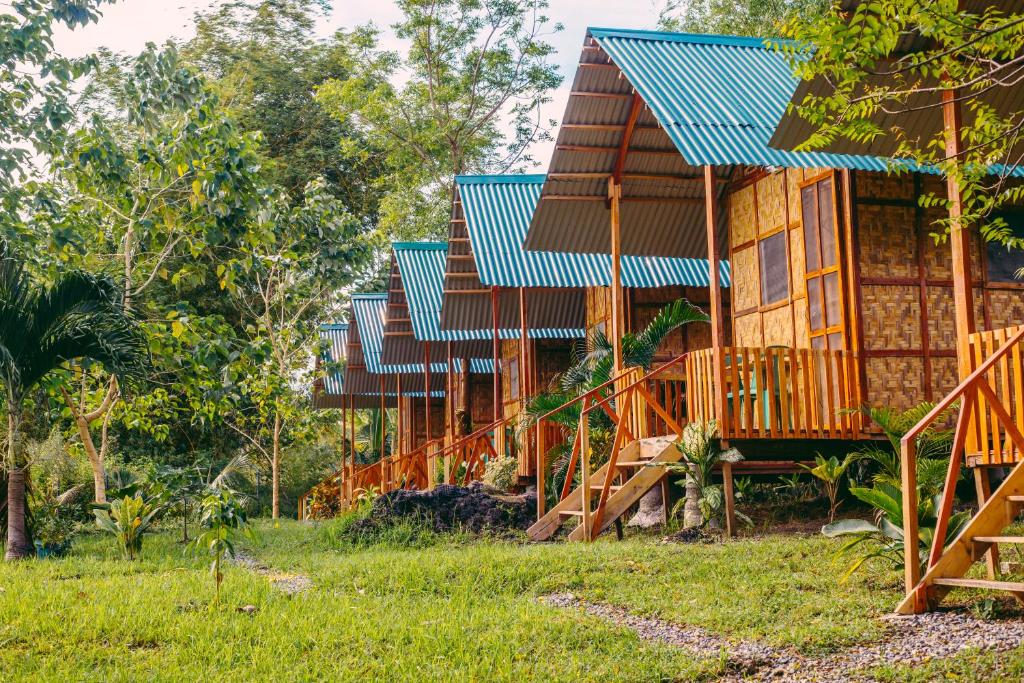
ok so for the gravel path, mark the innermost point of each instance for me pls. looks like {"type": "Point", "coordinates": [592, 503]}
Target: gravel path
{"type": "Point", "coordinates": [908, 640]}
{"type": "Point", "coordinates": [291, 584]}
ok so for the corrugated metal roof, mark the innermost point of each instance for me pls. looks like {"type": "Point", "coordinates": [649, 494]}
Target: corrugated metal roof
{"type": "Point", "coordinates": [719, 98]}
{"type": "Point", "coordinates": [369, 311]}
{"type": "Point", "coordinates": [498, 212]}
{"type": "Point", "coordinates": [335, 337]}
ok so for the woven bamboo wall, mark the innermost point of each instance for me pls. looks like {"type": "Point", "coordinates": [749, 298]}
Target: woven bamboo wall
{"type": "Point", "coordinates": [906, 294]}
{"type": "Point", "coordinates": [762, 205]}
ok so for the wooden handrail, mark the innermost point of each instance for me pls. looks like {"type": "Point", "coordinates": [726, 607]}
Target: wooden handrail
{"type": "Point", "coordinates": [975, 382]}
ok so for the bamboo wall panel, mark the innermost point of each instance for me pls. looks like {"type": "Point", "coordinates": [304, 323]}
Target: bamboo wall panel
{"type": "Point", "coordinates": [937, 263]}
{"type": "Point", "coordinates": [803, 333]}
{"type": "Point", "coordinates": [747, 330]}
{"type": "Point", "coordinates": [892, 317]}
{"type": "Point", "coordinates": [892, 381]}
{"type": "Point", "coordinates": [771, 203]}
{"type": "Point", "coordinates": [941, 319]}
{"type": "Point", "coordinates": [741, 216]}
{"type": "Point", "coordinates": [794, 176]}
{"type": "Point", "coordinates": [1006, 307]}
{"type": "Point", "coordinates": [945, 375]}
{"type": "Point", "coordinates": [778, 327]}
{"type": "Point", "coordinates": [888, 246]}
{"type": "Point", "coordinates": [798, 263]}
{"type": "Point", "coordinates": [886, 186]}
{"type": "Point", "coordinates": [745, 279]}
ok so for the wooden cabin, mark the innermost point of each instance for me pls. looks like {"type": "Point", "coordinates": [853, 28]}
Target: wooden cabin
{"type": "Point", "coordinates": [553, 299]}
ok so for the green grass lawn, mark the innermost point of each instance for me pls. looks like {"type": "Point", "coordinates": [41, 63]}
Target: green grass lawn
{"type": "Point", "coordinates": [461, 610]}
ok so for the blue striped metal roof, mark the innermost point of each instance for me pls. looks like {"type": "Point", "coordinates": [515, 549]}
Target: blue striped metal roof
{"type": "Point", "coordinates": [422, 267]}
{"type": "Point", "coordinates": [498, 213]}
{"type": "Point", "coordinates": [369, 311]}
{"type": "Point", "coordinates": [335, 338]}
{"type": "Point", "coordinates": [719, 98]}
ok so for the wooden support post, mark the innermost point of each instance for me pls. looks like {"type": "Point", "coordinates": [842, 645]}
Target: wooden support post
{"type": "Point", "coordinates": [983, 488]}
{"type": "Point", "coordinates": [426, 385]}
{"type": "Point", "coordinates": [525, 376]}
{"type": "Point", "coordinates": [959, 238]}
{"type": "Point", "coordinates": [618, 303]}
{"type": "Point", "coordinates": [585, 471]}
{"type": "Point", "coordinates": [730, 499]}
{"type": "Point", "coordinates": [911, 544]}
{"type": "Point", "coordinates": [352, 450]}
{"type": "Point", "coordinates": [496, 350]}
{"type": "Point", "coordinates": [400, 421]}
{"type": "Point", "coordinates": [383, 438]}
{"type": "Point", "coordinates": [715, 292]}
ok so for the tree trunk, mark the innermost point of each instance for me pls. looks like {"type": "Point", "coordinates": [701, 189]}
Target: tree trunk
{"type": "Point", "coordinates": [18, 546]}
{"type": "Point", "coordinates": [691, 509]}
{"type": "Point", "coordinates": [651, 510]}
{"type": "Point", "coordinates": [275, 466]}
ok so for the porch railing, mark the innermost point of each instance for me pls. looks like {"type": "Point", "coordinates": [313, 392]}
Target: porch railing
{"type": "Point", "coordinates": [777, 392]}
{"type": "Point", "coordinates": [989, 441]}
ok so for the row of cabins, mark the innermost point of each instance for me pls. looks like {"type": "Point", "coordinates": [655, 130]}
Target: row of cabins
{"type": "Point", "coordinates": [673, 162]}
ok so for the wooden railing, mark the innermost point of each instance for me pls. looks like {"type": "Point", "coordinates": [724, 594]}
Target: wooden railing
{"type": "Point", "coordinates": [473, 451]}
{"type": "Point", "coordinates": [981, 395]}
{"type": "Point", "coordinates": [989, 442]}
{"type": "Point", "coordinates": [777, 392]}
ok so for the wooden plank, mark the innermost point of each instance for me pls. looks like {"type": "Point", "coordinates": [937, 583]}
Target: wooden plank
{"type": "Point", "coordinates": [794, 376]}
{"type": "Point", "coordinates": [734, 384]}
{"type": "Point", "coordinates": [755, 395]}
{"type": "Point", "coordinates": [746, 399]}
{"type": "Point", "coordinates": [829, 390]}
{"type": "Point", "coordinates": [769, 392]}
{"type": "Point", "coordinates": [784, 398]}
{"type": "Point", "coordinates": [1008, 586]}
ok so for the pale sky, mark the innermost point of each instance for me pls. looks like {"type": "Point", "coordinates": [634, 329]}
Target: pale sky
{"type": "Point", "coordinates": [129, 24]}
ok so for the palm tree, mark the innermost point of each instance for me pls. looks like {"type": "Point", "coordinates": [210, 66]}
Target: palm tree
{"type": "Point", "coordinates": [41, 328]}
{"type": "Point", "coordinates": [368, 438]}
{"type": "Point", "coordinates": [592, 368]}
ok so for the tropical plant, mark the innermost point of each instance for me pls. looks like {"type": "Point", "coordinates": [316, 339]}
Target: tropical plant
{"type": "Point", "coordinates": [702, 451]}
{"type": "Point", "coordinates": [883, 538]}
{"type": "Point", "coordinates": [223, 522]}
{"type": "Point", "coordinates": [933, 446]}
{"type": "Point", "coordinates": [53, 526]}
{"type": "Point", "coordinates": [830, 472]}
{"type": "Point", "coordinates": [591, 368]}
{"type": "Point", "coordinates": [501, 473]}
{"type": "Point", "coordinates": [792, 486]}
{"type": "Point", "coordinates": [42, 328]}
{"type": "Point", "coordinates": [129, 519]}
{"type": "Point", "coordinates": [373, 438]}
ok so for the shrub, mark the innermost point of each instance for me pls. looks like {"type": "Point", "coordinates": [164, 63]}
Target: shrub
{"type": "Point", "coordinates": [129, 519]}
{"type": "Point", "coordinates": [223, 522]}
{"type": "Point", "coordinates": [501, 473]}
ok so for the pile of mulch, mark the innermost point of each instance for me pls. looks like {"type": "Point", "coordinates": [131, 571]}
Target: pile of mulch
{"type": "Point", "coordinates": [694, 535]}
{"type": "Point", "coordinates": [474, 508]}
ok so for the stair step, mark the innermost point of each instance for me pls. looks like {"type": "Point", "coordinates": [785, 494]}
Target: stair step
{"type": "Point", "coordinates": [571, 513]}
{"type": "Point", "coordinates": [1009, 586]}
{"type": "Point", "coordinates": [1015, 499]}
{"type": "Point", "coordinates": [632, 463]}
{"type": "Point", "coordinates": [998, 539]}
{"type": "Point", "coordinates": [598, 487]}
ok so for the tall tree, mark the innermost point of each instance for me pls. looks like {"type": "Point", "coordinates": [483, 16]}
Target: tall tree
{"type": "Point", "coordinates": [148, 186]}
{"type": "Point", "coordinates": [760, 18]}
{"type": "Point", "coordinates": [473, 70]}
{"type": "Point", "coordinates": [42, 329]}
{"type": "Point", "coordinates": [902, 59]}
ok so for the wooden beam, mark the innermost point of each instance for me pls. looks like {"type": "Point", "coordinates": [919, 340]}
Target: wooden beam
{"type": "Point", "coordinates": [426, 384]}
{"type": "Point", "coordinates": [476, 292]}
{"type": "Point", "coordinates": [618, 330]}
{"type": "Point", "coordinates": [715, 297]}
{"type": "Point", "coordinates": [601, 95]}
{"type": "Point", "coordinates": [496, 348]}
{"type": "Point", "coordinates": [591, 149]}
{"type": "Point", "coordinates": [959, 238]}
{"type": "Point", "coordinates": [450, 274]}
{"type": "Point", "coordinates": [603, 127]}
{"type": "Point", "coordinates": [627, 137]}
{"type": "Point", "coordinates": [663, 177]}
{"type": "Point", "coordinates": [686, 201]}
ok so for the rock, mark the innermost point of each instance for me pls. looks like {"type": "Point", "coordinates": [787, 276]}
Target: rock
{"type": "Point", "coordinates": [473, 508]}
{"type": "Point", "coordinates": [248, 609]}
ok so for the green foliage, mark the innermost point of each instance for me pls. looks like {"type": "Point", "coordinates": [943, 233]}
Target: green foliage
{"type": "Point", "coordinates": [128, 519]}
{"type": "Point", "coordinates": [474, 69]}
{"type": "Point", "coordinates": [830, 472]}
{"type": "Point", "coordinates": [878, 88]}
{"type": "Point", "coordinates": [501, 473]}
{"type": "Point", "coordinates": [758, 18]}
{"type": "Point", "coordinates": [883, 539]}
{"type": "Point", "coordinates": [223, 522]}
{"type": "Point", "coordinates": [53, 526]}
{"type": "Point", "coordinates": [701, 450]}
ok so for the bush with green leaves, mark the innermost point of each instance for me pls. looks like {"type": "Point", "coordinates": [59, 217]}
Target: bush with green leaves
{"type": "Point", "coordinates": [830, 472]}
{"type": "Point", "coordinates": [129, 519]}
{"type": "Point", "coordinates": [223, 522]}
{"type": "Point", "coordinates": [701, 451]}
{"type": "Point", "coordinates": [883, 538]}
{"type": "Point", "coordinates": [52, 526]}
{"type": "Point", "coordinates": [501, 473]}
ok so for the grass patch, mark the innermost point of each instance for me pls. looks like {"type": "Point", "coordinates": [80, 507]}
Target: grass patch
{"type": "Point", "coordinates": [406, 603]}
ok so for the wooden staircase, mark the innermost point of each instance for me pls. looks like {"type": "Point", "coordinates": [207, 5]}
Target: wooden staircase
{"type": "Point", "coordinates": [638, 471]}
{"type": "Point", "coordinates": [991, 417]}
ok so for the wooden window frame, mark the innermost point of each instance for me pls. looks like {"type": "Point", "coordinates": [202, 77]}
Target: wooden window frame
{"type": "Point", "coordinates": [821, 272]}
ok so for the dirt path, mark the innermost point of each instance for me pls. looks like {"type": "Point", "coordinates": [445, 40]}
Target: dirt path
{"type": "Point", "coordinates": [291, 584]}
{"type": "Point", "coordinates": [908, 640]}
